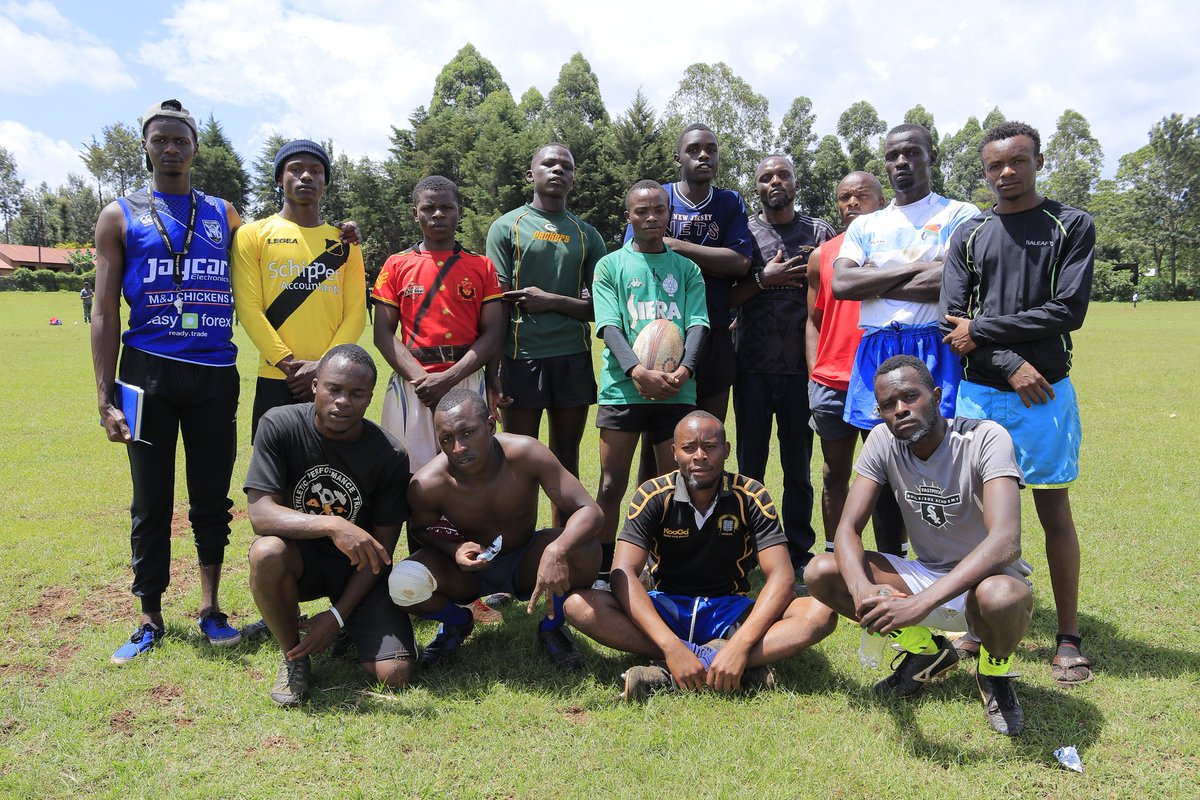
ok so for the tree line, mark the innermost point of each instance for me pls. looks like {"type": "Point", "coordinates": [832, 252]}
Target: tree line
{"type": "Point", "coordinates": [476, 133]}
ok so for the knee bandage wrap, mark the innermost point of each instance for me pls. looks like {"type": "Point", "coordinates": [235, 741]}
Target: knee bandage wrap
{"type": "Point", "coordinates": [410, 583]}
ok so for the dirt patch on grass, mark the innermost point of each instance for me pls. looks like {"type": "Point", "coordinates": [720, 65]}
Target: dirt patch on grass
{"type": "Point", "coordinates": [271, 744]}
{"type": "Point", "coordinates": [575, 714]}
{"type": "Point", "coordinates": [122, 721]}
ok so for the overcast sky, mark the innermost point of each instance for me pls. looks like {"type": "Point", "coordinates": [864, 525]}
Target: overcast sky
{"type": "Point", "coordinates": [349, 70]}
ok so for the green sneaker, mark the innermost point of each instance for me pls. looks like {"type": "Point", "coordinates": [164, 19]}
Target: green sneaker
{"type": "Point", "coordinates": [291, 684]}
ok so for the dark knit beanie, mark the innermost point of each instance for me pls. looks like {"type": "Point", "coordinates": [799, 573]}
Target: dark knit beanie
{"type": "Point", "coordinates": [302, 146]}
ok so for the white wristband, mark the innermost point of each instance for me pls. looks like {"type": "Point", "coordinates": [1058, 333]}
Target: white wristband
{"type": "Point", "coordinates": [333, 610]}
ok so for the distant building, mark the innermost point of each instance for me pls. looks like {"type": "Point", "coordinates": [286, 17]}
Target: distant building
{"type": "Point", "coordinates": [14, 256]}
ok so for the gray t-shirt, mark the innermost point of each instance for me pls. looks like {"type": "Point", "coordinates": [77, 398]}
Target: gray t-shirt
{"type": "Point", "coordinates": [941, 499]}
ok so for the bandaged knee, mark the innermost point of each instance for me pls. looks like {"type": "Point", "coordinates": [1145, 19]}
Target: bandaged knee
{"type": "Point", "coordinates": [410, 583]}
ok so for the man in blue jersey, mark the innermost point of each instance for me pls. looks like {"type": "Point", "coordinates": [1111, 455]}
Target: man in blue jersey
{"type": "Point", "coordinates": [1016, 283]}
{"type": "Point", "coordinates": [165, 249]}
{"type": "Point", "coordinates": [708, 226]}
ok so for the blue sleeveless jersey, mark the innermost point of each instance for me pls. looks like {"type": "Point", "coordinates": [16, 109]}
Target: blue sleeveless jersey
{"type": "Point", "coordinates": [203, 333]}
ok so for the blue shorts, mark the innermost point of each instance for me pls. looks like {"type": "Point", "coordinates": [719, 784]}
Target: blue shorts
{"type": "Point", "coordinates": [880, 344]}
{"type": "Point", "coordinates": [701, 619]}
{"type": "Point", "coordinates": [1046, 437]}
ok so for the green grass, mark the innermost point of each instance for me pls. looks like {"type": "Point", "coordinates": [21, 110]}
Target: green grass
{"type": "Point", "coordinates": [193, 722]}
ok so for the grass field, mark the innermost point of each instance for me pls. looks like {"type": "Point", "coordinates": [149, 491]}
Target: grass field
{"type": "Point", "coordinates": [192, 722]}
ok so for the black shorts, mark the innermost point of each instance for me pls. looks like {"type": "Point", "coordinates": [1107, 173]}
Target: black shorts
{"type": "Point", "coordinates": [269, 393]}
{"type": "Point", "coordinates": [381, 630]}
{"type": "Point", "coordinates": [657, 419]}
{"type": "Point", "coordinates": [554, 382]}
{"type": "Point", "coordinates": [716, 368]}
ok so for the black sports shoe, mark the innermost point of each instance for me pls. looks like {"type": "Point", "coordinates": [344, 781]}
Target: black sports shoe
{"type": "Point", "coordinates": [449, 638]}
{"type": "Point", "coordinates": [1000, 704]}
{"type": "Point", "coordinates": [559, 647]}
{"type": "Point", "coordinates": [915, 670]}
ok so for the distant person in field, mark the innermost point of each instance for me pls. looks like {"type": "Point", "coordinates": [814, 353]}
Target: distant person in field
{"type": "Point", "coordinates": [772, 376]}
{"type": "Point", "coordinates": [297, 282]}
{"type": "Point", "coordinates": [482, 487]}
{"type": "Point", "coordinates": [545, 257]}
{"type": "Point", "coordinates": [958, 485]}
{"type": "Point", "coordinates": [326, 495]}
{"type": "Point", "coordinates": [706, 528]}
{"type": "Point", "coordinates": [438, 320]}
{"type": "Point", "coordinates": [643, 281]}
{"type": "Point", "coordinates": [165, 249]}
{"type": "Point", "coordinates": [1016, 283]}
{"type": "Point", "coordinates": [831, 341]}
{"type": "Point", "coordinates": [85, 296]}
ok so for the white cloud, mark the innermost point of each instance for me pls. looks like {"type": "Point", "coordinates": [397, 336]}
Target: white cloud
{"type": "Point", "coordinates": [40, 49]}
{"type": "Point", "coordinates": [40, 158]}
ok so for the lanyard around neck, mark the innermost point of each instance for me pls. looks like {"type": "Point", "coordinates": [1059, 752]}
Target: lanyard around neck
{"type": "Point", "coordinates": [177, 255]}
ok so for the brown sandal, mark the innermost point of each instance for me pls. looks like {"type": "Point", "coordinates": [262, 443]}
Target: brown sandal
{"type": "Point", "coordinates": [1070, 670]}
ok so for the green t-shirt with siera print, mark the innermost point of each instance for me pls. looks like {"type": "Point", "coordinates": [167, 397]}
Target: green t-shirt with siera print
{"type": "Point", "coordinates": [556, 253]}
{"type": "Point", "coordinates": [632, 289]}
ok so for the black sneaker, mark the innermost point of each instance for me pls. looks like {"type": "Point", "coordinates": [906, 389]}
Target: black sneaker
{"type": "Point", "coordinates": [449, 638]}
{"type": "Point", "coordinates": [641, 682]}
{"type": "Point", "coordinates": [1000, 704]}
{"type": "Point", "coordinates": [291, 684]}
{"type": "Point", "coordinates": [915, 670]}
{"type": "Point", "coordinates": [761, 678]}
{"type": "Point", "coordinates": [559, 647]}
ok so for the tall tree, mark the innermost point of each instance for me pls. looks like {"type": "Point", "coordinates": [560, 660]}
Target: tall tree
{"type": "Point", "coordinates": [218, 170]}
{"type": "Point", "coordinates": [918, 115]}
{"type": "Point", "coordinates": [961, 167]}
{"type": "Point", "coordinates": [714, 95]}
{"type": "Point", "coordinates": [1164, 176]}
{"type": "Point", "coordinates": [643, 148]}
{"type": "Point", "coordinates": [796, 140]}
{"type": "Point", "coordinates": [465, 82]}
{"type": "Point", "coordinates": [77, 209]}
{"type": "Point", "coordinates": [118, 162]}
{"type": "Point", "coordinates": [493, 169]}
{"type": "Point", "coordinates": [860, 128]}
{"type": "Point", "coordinates": [577, 116]}
{"type": "Point", "coordinates": [38, 222]}
{"type": "Point", "coordinates": [11, 188]}
{"type": "Point", "coordinates": [1073, 161]}
{"type": "Point", "coordinates": [264, 198]}
{"type": "Point", "coordinates": [817, 197]}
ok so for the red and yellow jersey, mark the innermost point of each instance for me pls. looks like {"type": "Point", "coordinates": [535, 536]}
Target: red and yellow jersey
{"type": "Point", "coordinates": [433, 312]}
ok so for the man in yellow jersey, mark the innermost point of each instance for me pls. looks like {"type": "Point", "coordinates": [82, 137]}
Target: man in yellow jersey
{"type": "Point", "coordinates": [298, 287]}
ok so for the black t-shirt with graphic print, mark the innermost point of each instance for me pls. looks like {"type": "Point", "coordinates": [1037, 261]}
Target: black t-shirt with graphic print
{"type": "Point", "coordinates": [364, 481]}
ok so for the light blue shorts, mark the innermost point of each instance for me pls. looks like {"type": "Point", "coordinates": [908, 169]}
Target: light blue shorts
{"type": "Point", "coordinates": [1046, 437]}
{"type": "Point", "coordinates": [701, 619]}
{"type": "Point", "coordinates": [880, 344]}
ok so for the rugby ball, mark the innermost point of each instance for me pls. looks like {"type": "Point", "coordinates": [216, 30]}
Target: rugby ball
{"type": "Point", "coordinates": [659, 346]}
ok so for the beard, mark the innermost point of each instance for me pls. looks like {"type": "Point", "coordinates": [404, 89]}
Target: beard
{"type": "Point", "coordinates": [920, 433]}
{"type": "Point", "coordinates": [780, 202]}
{"type": "Point", "coordinates": [695, 483]}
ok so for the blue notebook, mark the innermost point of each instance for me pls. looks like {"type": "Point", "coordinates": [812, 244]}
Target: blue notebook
{"type": "Point", "coordinates": [129, 399]}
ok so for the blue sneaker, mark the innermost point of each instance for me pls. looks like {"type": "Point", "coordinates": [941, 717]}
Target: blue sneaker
{"type": "Point", "coordinates": [449, 638]}
{"type": "Point", "coordinates": [142, 640]}
{"type": "Point", "coordinates": [216, 628]}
